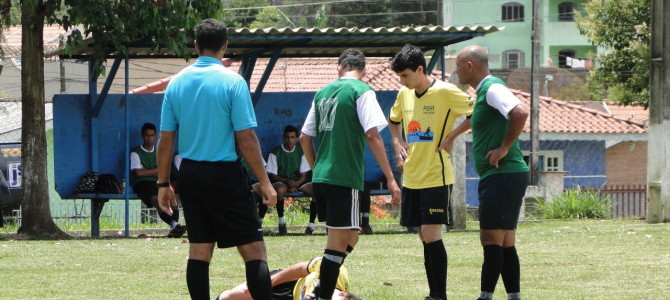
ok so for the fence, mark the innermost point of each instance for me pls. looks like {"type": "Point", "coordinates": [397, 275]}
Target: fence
{"type": "Point", "coordinates": [628, 201]}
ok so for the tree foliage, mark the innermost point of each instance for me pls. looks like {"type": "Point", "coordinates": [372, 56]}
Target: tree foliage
{"type": "Point", "coordinates": [241, 13]}
{"type": "Point", "coordinates": [114, 24]}
{"type": "Point", "coordinates": [622, 28]}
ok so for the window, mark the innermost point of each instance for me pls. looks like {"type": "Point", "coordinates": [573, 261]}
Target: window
{"type": "Point", "coordinates": [513, 59]}
{"type": "Point", "coordinates": [566, 11]}
{"type": "Point", "coordinates": [549, 160]}
{"type": "Point", "coordinates": [512, 12]}
{"type": "Point", "coordinates": [563, 57]}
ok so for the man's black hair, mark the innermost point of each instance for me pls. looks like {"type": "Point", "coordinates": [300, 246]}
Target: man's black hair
{"type": "Point", "coordinates": [291, 128]}
{"type": "Point", "coordinates": [148, 126]}
{"type": "Point", "coordinates": [211, 34]}
{"type": "Point", "coordinates": [409, 57]}
{"type": "Point", "coordinates": [352, 59]}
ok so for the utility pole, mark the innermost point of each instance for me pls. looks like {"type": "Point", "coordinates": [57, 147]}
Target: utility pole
{"type": "Point", "coordinates": [658, 163]}
{"type": "Point", "coordinates": [534, 95]}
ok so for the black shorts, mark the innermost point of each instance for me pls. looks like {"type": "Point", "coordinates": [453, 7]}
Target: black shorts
{"type": "Point", "coordinates": [427, 206]}
{"type": "Point", "coordinates": [283, 291]}
{"type": "Point", "coordinates": [337, 205]}
{"type": "Point", "coordinates": [500, 199]}
{"type": "Point", "coordinates": [146, 190]}
{"type": "Point", "coordinates": [217, 204]}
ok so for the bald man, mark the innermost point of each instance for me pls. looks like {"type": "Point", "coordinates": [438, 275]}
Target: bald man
{"type": "Point", "coordinates": [497, 121]}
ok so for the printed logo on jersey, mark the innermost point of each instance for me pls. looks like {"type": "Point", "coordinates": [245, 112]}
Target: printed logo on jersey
{"type": "Point", "coordinates": [416, 135]}
{"type": "Point", "coordinates": [328, 109]}
{"type": "Point", "coordinates": [470, 101]}
{"type": "Point", "coordinates": [429, 109]}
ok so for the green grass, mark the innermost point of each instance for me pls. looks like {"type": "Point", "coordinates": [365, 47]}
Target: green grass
{"type": "Point", "coordinates": [585, 259]}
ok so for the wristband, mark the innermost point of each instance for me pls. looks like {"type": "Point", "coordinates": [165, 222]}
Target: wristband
{"type": "Point", "coordinates": [162, 184]}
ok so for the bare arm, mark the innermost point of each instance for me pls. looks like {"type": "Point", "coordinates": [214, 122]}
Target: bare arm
{"type": "Point", "coordinates": [448, 143]}
{"type": "Point", "coordinates": [166, 197]}
{"type": "Point", "coordinates": [307, 144]}
{"type": "Point", "coordinates": [376, 145]}
{"type": "Point", "coordinates": [146, 172]}
{"type": "Point", "coordinates": [293, 272]}
{"type": "Point", "coordinates": [248, 144]}
{"type": "Point", "coordinates": [517, 120]}
{"type": "Point", "coordinates": [399, 145]}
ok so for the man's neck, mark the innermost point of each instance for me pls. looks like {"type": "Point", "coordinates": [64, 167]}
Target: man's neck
{"type": "Point", "coordinates": [353, 74]}
{"type": "Point", "coordinates": [478, 79]}
{"type": "Point", "coordinates": [289, 147]}
{"type": "Point", "coordinates": [425, 83]}
{"type": "Point", "coordinates": [148, 147]}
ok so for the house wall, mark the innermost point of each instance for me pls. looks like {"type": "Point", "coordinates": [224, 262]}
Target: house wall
{"type": "Point", "coordinates": [627, 163]}
{"type": "Point", "coordinates": [555, 35]}
{"type": "Point", "coordinates": [584, 162]}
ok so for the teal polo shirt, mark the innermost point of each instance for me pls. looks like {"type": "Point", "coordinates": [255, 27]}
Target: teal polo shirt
{"type": "Point", "coordinates": [206, 102]}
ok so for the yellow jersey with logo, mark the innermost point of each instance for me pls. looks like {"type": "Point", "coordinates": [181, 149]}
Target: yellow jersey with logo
{"type": "Point", "coordinates": [306, 284]}
{"type": "Point", "coordinates": [427, 120]}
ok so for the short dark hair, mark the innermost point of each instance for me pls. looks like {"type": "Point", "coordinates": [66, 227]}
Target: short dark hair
{"type": "Point", "coordinates": [148, 126]}
{"type": "Point", "coordinates": [352, 59]}
{"type": "Point", "coordinates": [290, 128]}
{"type": "Point", "coordinates": [409, 57]}
{"type": "Point", "coordinates": [211, 34]}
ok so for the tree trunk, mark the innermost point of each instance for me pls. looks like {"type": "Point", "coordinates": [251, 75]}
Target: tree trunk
{"type": "Point", "coordinates": [36, 216]}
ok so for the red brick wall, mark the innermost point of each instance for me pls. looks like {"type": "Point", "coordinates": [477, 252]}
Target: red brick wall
{"type": "Point", "coordinates": [627, 163]}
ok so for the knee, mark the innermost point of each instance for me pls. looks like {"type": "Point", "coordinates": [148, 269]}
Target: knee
{"type": "Point", "coordinates": [430, 233]}
{"type": "Point", "coordinates": [280, 188]}
{"type": "Point", "coordinates": [201, 251]}
{"type": "Point", "coordinates": [253, 251]}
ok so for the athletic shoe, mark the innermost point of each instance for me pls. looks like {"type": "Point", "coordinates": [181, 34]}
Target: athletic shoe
{"type": "Point", "coordinates": [177, 232]}
{"type": "Point", "coordinates": [365, 229]}
{"type": "Point", "coordinates": [282, 229]}
{"type": "Point", "coordinates": [309, 231]}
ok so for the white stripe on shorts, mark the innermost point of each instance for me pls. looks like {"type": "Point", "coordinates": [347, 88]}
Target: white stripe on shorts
{"type": "Point", "coordinates": [355, 208]}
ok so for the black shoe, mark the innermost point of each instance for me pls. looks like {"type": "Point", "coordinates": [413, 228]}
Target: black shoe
{"type": "Point", "coordinates": [365, 229]}
{"type": "Point", "coordinates": [282, 229]}
{"type": "Point", "coordinates": [309, 231]}
{"type": "Point", "coordinates": [177, 232]}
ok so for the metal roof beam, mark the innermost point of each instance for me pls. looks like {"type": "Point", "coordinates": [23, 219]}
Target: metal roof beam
{"type": "Point", "coordinates": [266, 75]}
{"type": "Point", "coordinates": [105, 89]}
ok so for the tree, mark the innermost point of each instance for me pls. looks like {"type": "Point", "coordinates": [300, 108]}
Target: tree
{"type": "Point", "coordinates": [622, 28]}
{"type": "Point", "coordinates": [241, 13]}
{"type": "Point", "coordinates": [112, 24]}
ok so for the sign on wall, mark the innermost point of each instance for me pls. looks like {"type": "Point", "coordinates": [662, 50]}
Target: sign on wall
{"type": "Point", "coordinates": [11, 186]}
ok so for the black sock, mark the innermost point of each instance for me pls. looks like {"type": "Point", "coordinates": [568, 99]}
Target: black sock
{"type": "Point", "coordinates": [280, 208]}
{"type": "Point", "coordinates": [197, 279]}
{"type": "Point", "coordinates": [429, 272]}
{"type": "Point", "coordinates": [258, 279]}
{"type": "Point", "coordinates": [438, 267]}
{"type": "Point", "coordinates": [511, 270]}
{"type": "Point", "coordinates": [164, 216]}
{"type": "Point", "coordinates": [312, 211]}
{"type": "Point", "coordinates": [330, 270]}
{"type": "Point", "coordinates": [175, 213]}
{"type": "Point", "coordinates": [262, 210]}
{"type": "Point", "coordinates": [493, 262]}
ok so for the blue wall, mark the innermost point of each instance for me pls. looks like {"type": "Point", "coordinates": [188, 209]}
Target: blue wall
{"type": "Point", "coordinates": [74, 154]}
{"type": "Point", "coordinates": [584, 162]}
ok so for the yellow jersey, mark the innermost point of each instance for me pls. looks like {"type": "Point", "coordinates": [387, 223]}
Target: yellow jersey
{"type": "Point", "coordinates": [306, 284]}
{"type": "Point", "coordinates": [427, 120]}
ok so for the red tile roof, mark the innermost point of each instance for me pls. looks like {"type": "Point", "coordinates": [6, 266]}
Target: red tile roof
{"type": "Point", "coordinates": [636, 113]}
{"type": "Point", "coordinates": [311, 74]}
{"type": "Point", "coordinates": [11, 44]}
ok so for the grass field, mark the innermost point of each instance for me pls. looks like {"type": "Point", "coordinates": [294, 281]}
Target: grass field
{"type": "Point", "coordinates": [586, 259]}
